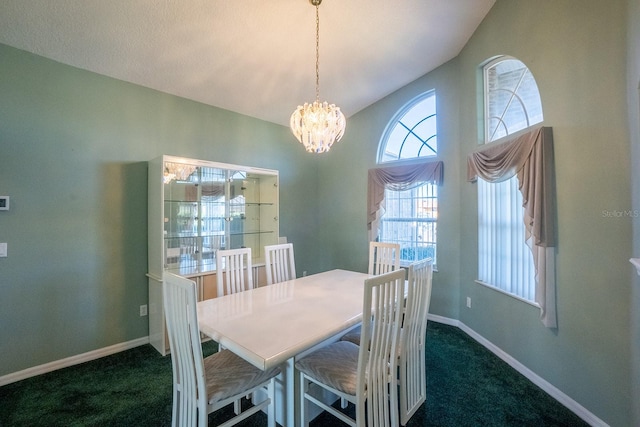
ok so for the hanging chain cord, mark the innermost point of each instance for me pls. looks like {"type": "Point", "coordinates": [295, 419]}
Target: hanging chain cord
{"type": "Point", "coordinates": [318, 51]}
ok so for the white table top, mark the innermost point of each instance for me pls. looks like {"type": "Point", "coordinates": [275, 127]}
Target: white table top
{"type": "Point", "coordinates": [268, 325]}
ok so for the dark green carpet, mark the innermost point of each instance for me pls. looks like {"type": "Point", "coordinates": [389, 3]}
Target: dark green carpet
{"type": "Point", "coordinates": [466, 386]}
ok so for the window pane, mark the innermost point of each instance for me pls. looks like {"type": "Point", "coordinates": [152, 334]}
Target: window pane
{"type": "Point", "coordinates": [394, 144]}
{"type": "Point", "coordinates": [412, 133]}
{"type": "Point", "coordinates": [505, 261]}
{"type": "Point", "coordinates": [410, 219]}
{"type": "Point", "coordinates": [512, 98]}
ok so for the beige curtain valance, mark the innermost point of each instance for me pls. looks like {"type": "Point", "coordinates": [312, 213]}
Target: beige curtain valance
{"type": "Point", "coordinates": [399, 178]}
{"type": "Point", "coordinates": [530, 157]}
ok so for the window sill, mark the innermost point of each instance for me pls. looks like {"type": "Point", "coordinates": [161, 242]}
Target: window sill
{"type": "Point", "coordinates": [487, 285]}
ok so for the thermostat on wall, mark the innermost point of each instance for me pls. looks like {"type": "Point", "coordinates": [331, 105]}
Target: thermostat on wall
{"type": "Point", "coordinates": [4, 203]}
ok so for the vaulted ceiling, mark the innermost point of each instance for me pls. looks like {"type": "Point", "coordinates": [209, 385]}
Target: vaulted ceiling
{"type": "Point", "coordinates": [252, 57]}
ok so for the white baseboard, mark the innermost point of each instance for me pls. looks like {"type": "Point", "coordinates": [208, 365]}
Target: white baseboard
{"type": "Point", "coordinates": [445, 320]}
{"type": "Point", "coordinates": [549, 388]}
{"type": "Point", "coordinates": [70, 361]}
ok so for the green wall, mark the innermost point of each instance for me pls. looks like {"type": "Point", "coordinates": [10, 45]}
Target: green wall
{"type": "Point", "coordinates": [577, 51]}
{"type": "Point", "coordinates": [73, 147]}
{"type": "Point", "coordinates": [73, 153]}
{"type": "Point", "coordinates": [633, 101]}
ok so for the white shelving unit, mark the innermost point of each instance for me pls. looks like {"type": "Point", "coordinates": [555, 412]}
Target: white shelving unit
{"type": "Point", "coordinates": [196, 208]}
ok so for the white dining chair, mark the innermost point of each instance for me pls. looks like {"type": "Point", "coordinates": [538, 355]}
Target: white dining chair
{"type": "Point", "coordinates": [280, 263]}
{"type": "Point", "coordinates": [412, 369]}
{"type": "Point", "coordinates": [234, 272]}
{"type": "Point", "coordinates": [383, 257]}
{"type": "Point", "coordinates": [411, 358]}
{"type": "Point", "coordinates": [203, 385]}
{"type": "Point", "coordinates": [363, 375]}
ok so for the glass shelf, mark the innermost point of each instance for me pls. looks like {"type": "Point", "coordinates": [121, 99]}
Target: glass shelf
{"type": "Point", "coordinates": [217, 207]}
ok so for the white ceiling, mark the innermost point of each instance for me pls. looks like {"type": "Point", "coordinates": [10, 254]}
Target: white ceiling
{"type": "Point", "coordinates": [252, 57]}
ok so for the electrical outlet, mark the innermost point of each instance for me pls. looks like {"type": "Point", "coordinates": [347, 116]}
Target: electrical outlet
{"type": "Point", "coordinates": [468, 302]}
{"type": "Point", "coordinates": [143, 310]}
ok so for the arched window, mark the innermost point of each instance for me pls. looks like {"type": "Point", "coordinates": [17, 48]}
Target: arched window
{"type": "Point", "coordinates": [411, 133]}
{"type": "Point", "coordinates": [409, 215]}
{"type": "Point", "coordinates": [511, 104]}
{"type": "Point", "coordinates": [512, 100]}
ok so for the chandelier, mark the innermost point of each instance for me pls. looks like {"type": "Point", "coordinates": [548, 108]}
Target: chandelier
{"type": "Point", "coordinates": [318, 125]}
{"type": "Point", "coordinates": [178, 171]}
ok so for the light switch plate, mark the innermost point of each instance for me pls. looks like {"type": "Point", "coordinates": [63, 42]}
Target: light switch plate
{"type": "Point", "coordinates": [3, 250]}
{"type": "Point", "coordinates": [4, 203]}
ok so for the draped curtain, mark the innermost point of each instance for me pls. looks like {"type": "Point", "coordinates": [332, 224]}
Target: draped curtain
{"type": "Point", "coordinates": [530, 157]}
{"type": "Point", "coordinates": [209, 189]}
{"type": "Point", "coordinates": [397, 178]}
{"type": "Point", "coordinates": [212, 189]}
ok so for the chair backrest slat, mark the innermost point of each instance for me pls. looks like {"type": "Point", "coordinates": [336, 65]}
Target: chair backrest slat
{"type": "Point", "coordinates": [383, 257]}
{"type": "Point", "coordinates": [280, 263]}
{"type": "Point", "coordinates": [234, 271]}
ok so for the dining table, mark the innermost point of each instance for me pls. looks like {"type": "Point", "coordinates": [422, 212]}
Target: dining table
{"type": "Point", "coordinates": [272, 325]}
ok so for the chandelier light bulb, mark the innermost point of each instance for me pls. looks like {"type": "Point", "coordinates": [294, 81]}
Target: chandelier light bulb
{"type": "Point", "coordinates": [317, 126]}
{"type": "Point", "coordinates": [177, 171]}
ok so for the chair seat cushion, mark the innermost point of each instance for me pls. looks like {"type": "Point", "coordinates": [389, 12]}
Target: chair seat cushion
{"type": "Point", "coordinates": [228, 375]}
{"type": "Point", "coordinates": [335, 365]}
{"type": "Point", "coordinates": [353, 335]}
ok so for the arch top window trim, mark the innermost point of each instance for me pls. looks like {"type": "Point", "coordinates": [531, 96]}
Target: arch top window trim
{"type": "Point", "coordinates": [526, 106]}
{"type": "Point", "coordinates": [410, 131]}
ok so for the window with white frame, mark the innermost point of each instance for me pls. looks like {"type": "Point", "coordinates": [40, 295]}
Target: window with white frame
{"type": "Point", "coordinates": [511, 104]}
{"type": "Point", "coordinates": [410, 215]}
